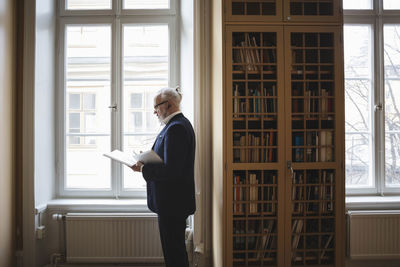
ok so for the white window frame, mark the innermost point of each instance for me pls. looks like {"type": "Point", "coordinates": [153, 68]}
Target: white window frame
{"type": "Point", "coordinates": [377, 17]}
{"type": "Point", "coordinates": [116, 18]}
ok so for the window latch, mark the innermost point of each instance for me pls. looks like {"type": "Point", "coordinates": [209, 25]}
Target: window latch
{"type": "Point", "coordinates": [113, 107]}
{"type": "Point", "coordinates": [378, 107]}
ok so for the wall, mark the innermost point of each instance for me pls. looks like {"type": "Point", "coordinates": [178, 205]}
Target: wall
{"type": "Point", "coordinates": [7, 126]}
{"type": "Point", "coordinates": [38, 119]}
{"type": "Point", "coordinates": [186, 57]}
{"type": "Point", "coordinates": [44, 125]}
{"type": "Point", "coordinates": [202, 114]}
{"type": "Point", "coordinates": [44, 102]}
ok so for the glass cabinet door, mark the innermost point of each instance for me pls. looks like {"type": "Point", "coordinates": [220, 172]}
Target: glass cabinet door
{"type": "Point", "coordinates": [313, 10]}
{"type": "Point", "coordinates": [253, 10]}
{"type": "Point", "coordinates": [314, 127]}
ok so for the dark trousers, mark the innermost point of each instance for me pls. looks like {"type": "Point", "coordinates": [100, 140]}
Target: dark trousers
{"type": "Point", "coordinates": [172, 234]}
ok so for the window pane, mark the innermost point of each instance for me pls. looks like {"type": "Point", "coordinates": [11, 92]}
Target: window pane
{"type": "Point", "coordinates": [358, 93]}
{"type": "Point", "coordinates": [88, 52]}
{"type": "Point", "coordinates": [392, 104]}
{"type": "Point", "coordinates": [136, 121]}
{"type": "Point", "coordinates": [136, 100]}
{"type": "Point", "coordinates": [357, 4]}
{"type": "Point", "coordinates": [74, 101]}
{"type": "Point", "coordinates": [88, 4]}
{"type": "Point", "coordinates": [148, 4]}
{"type": "Point", "coordinates": [391, 4]}
{"type": "Point", "coordinates": [145, 71]}
{"type": "Point", "coordinates": [74, 121]}
{"type": "Point", "coordinates": [89, 101]}
{"type": "Point", "coordinates": [90, 122]}
{"type": "Point", "coordinates": [358, 158]}
{"type": "Point", "coordinates": [151, 121]}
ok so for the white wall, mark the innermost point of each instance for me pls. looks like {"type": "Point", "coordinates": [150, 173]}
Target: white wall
{"type": "Point", "coordinates": [44, 101]}
{"type": "Point", "coordinates": [44, 125]}
{"type": "Point", "coordinates": [7, 104]}
{"type": "Point", "coordinates": [38, 146]}
{"type": "Point", "coordinates": [186, 57]}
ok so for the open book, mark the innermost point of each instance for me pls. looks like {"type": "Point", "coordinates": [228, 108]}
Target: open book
{"type": "Point", "coordinates": [130, 159]}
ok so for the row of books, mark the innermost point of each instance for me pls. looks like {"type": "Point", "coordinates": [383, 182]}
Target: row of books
{"type": "Point", "coordinates": [256, 104]}
{"type": "Point", "coordinates": [324, 152]}
{"type": "Point", "coordinates": [254, 139]}
{"type": "Point", "coordinates": [258, 237]}
{"type": "Point", "coordinates": [318, 138]}
{"type": "Point", "coordinates": [254, 90]}
{"type": "Point", "coordinates": [310, 104]}
{"type": "Point", "coordinates": [255, 155]}
{"type": "Point", "coordinates": [323, 192]}
{"type": "Point", "coordinates": [247, 52]}
{"type": "Point", "coordinates": [248, 55]}
{"type": "Point", "coordinates": [297, 233]}
{"type": "Point", "coordinates": [256, 193]}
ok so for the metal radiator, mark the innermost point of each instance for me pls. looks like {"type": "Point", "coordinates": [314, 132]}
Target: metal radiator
{"type": "Point", "coordinates": [94, 237]}
{"type": "Point", "coordinates": [374, 234]}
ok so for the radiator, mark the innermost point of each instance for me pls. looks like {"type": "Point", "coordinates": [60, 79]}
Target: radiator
{"type": "Point", "coordinates": [112, 238]}
{"type": "Point", "coordinates": [374, 234]}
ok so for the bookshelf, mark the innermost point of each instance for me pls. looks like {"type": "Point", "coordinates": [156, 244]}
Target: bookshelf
{"type": "Point", "coordinates": [255, 103]}
{"type": "Point", "coordinates": [283, 132]}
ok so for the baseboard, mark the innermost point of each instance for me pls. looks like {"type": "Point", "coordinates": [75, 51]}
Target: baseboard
{"type": "Point", "coordinates": [372, 263]}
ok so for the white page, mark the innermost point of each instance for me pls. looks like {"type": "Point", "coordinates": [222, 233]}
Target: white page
{"type": "Point", "coordinates": [148, 157]}
{"type": "Point", "coordinates": [122, 157]}
{"type": "Point", "coordinates": [130, 159]}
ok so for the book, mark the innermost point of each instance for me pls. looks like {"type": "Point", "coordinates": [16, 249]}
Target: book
{"type": "Point", "coordinates": [130, 159]}
{"type": "Point", "coordinates": [148, 156]}
{"type": "Point", "coordinates": [326, 246]}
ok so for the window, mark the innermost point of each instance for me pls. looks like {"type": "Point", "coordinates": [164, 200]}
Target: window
{"type": "Point", "coordinates": [81, 119]}
{"type": "Point", "coordinates": [112, 63]}
{"type": "Point", "coordinates": [372, 96]}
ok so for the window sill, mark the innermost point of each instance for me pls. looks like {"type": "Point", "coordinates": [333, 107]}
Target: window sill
{"type": "Point", "coordinates": [95, 205]}
{"type": "Point", "coordinates": [372, 202]}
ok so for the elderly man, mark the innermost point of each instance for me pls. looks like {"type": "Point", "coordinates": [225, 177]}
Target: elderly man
{"type": "Point", "coordinates": [170, 185]}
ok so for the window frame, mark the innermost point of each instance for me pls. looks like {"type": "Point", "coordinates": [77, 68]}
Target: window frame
{"type": "Point", "coordinates": [116, 19]}
{"type": "Point", "coordinates": [376, 17]}
{"type": "Point", "coordinates": [117, 8]}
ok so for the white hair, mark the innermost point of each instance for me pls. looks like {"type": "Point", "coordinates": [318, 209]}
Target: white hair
{"type": "Point", "coordinates": [172, 94]}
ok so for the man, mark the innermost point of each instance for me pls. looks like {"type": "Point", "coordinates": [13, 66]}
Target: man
{"type": "Point", "coordinates": [170, 185]}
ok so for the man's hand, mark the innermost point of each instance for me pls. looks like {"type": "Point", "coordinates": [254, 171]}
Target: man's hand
{"type": "Point", "coordinates": [137, 167]}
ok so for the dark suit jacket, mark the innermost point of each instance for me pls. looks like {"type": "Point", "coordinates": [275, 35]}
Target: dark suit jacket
{"type": "Point", "coordinates": [170, 185]}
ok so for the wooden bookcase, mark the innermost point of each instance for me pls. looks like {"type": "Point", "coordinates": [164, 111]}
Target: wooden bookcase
{"type": "Point", "coordinates": [283, 115]}
{"type": "Point", "coordinates": [255, 104]}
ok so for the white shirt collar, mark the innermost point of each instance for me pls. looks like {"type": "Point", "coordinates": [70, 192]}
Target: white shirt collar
{"type": "Point", "coordinates": [168, 118]}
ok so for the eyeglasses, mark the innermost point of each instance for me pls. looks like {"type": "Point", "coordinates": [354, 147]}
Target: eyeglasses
{"type": "Point", "coordinates": [159, 104]}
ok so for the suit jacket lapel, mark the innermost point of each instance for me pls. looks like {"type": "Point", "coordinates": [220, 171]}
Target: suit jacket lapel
{"type": "Point", "coordinates": [161, 134]}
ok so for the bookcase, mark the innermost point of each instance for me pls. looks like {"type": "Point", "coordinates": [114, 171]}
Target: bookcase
{"type": "Point", "coordinates": [283, 115]}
